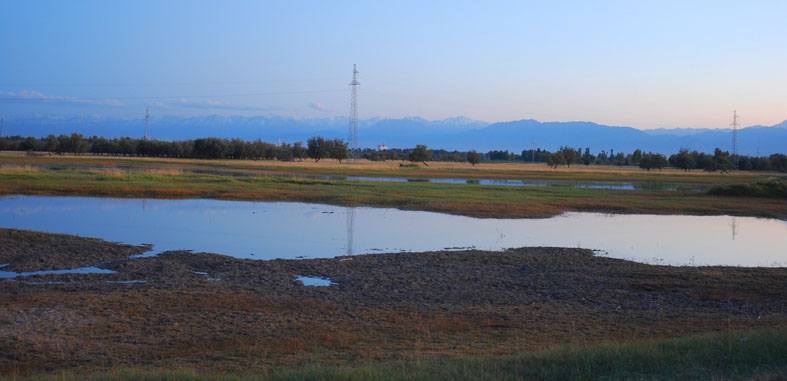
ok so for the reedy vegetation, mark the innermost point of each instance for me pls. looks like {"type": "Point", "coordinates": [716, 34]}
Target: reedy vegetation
{"type": "Point", "coordinates": [464, 199]}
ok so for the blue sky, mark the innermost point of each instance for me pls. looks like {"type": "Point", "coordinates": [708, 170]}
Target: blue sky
{"type": "Point", "coordinates": [645, 64]}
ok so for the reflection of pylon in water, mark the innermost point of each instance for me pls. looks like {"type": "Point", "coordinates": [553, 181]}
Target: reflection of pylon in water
{"type": "Point", "coordinates": [734, 227]}
{"type": "Point", "coordinates": [350, 228]}
{"type": "Point", "coordinates": [144, 204]}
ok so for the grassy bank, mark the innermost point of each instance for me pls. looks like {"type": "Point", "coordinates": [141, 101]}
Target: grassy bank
{"type": "Point", "coordinates": [772, 189]}
{"type": "Point", "coordinates": [464, 199]}
{"type": "Point", "coordinates": [503, 170]}
{"type": "Point", "coordinates": [727, 355]}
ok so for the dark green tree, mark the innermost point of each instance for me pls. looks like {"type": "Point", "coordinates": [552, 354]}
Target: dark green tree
{"type": "Point", "coordinates": [636, 157]}
{"type": "Point", "coordinates": [587, 157]}
{"type": "Point", "coordinates": [684, 160]}
{"type": "Point", "coordinates": [284, 153]}
{"type": "Point", "coordinates": [299, 151]}
{"type": "Point", "coordinates": [420, 154]}
{"type": "Point", "coordinates": [210, 148]}
{"type": "Point", "coordinates": [473, 157]}
{"type": "Point", "coordinates": [51, 143]}
{"type": "Point", "coordinates": [338, 150]}
{"type": "Point", "coordinates": [569, 155]}
{"type": "Point", "coordinates": [317, 148]}
{"type": "Point", "coordinates": [78, 144]}
{"type": "Point", "coordinates": [29, 144]}
{"type": "Point", "coordinates": [556, 159]}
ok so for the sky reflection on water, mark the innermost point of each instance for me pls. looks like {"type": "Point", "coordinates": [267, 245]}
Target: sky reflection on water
{"type": "Point", "coordinates": [267, 230]}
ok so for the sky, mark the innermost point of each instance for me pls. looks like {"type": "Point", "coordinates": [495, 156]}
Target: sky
{"type": "Point", "coordinates": [644, 64]}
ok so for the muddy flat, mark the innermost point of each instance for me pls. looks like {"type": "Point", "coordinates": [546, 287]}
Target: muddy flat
{"type": "Point", "coordinates": [215, 311]}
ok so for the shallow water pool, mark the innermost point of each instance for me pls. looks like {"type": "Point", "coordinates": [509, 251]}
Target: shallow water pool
{"type": "Point", "coordinates": [268, 230]}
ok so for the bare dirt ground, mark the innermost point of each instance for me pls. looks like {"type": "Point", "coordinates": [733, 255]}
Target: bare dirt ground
{"type": "Point", "coordinates": [212, 311]}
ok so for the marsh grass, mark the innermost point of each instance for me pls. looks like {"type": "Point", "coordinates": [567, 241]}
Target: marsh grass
{"type": "Point", "coordinates": [727, 355]}
{"type": "Point", "coordinates": [771, 189]}
{"type": "Point", "coordinates": [17, 169]}
{"type": "Point", "coordinates": [507, 170]}
{"type": "Point", "coordinates": [463, 199]}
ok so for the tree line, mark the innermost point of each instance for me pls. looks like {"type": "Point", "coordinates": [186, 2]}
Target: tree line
{"type": "Point", "coordinates": [317, 148]}
{"type": "Point", "coordinates": [204, 148]}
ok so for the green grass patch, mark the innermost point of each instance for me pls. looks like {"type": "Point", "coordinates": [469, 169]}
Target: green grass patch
{"type": "Point", "coordinates": [464, 199]}
{"type": "Point", "coordinates": [728, 355]}
{"type": "Point", "coordinates": [772, 189]}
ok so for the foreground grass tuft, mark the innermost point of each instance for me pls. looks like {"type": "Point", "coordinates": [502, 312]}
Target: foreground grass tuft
{"type": "Point", "coordinates": [726, 355]}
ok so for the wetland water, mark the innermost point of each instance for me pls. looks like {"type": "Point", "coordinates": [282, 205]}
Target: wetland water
{"type": "Point", "coordinates": [618, 185]}
{"type": "Point", "coordinates": [267, 230]}
{"type": "Point", "coordinates": [529, 183]}
{"type": "Point", "coordinates": [545, 183]}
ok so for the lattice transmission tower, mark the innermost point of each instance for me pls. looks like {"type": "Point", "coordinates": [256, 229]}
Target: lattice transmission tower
{"type": "Point", "coordinates": [353, 130]}
{"type": "Point", "coordinates": [147, 123]}
{"type": "Point", "coordinates": [734, 139]}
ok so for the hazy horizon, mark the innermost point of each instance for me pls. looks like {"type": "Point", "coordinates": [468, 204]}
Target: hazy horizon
{"type": "Point", "coordinates": [646, 66]}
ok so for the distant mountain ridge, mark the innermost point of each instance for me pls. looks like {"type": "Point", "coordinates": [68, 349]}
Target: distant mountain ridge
{"type": "Point", "coordinates": [453, 133]}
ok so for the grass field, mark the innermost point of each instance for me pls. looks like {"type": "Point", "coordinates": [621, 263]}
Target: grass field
{"type": "Point", "coordinates": [507, 170]}
{"type": "Point", "coordinates": [728, 355]}
{"type": "Point", "coordinates": [158, 178]}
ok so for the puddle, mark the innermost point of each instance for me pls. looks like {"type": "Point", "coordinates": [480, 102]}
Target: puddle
{"type": "Point", "coordinates": [207, 277]}
{"type": "Point", "coordinates": [653, 185]}
{"type": "Point", "coordinates": [314, 281]}
{"type": "Point", "coordinates": [81, 270]}
{"type": "Point", "coordinates": [272, 230]}
{"type": "Point", "coordinates": [126, 281]}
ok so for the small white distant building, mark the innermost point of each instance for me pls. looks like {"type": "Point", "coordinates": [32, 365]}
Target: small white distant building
{"type": "Point", "coordinates": [382, 147]}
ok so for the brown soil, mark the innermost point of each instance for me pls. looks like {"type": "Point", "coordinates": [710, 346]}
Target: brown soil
{"type": "Point", "coordinates": [384, 307]}
{"type": "Point", "coordinates": [33, 251]}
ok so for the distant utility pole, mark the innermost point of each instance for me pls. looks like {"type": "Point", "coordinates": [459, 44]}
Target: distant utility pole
{"type": "Point", "coordinates": [353, 130]}
{"type": "Point", "coordinates": [734, 139]}
{"type": "Point", "coordinates": [2, 123]}
{"type": "Point", "coordinates": [147, 123]}
{"type": "Point", "coordinates": [533, 150]}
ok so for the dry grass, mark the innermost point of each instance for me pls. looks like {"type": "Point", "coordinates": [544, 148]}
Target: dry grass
{"type": "Point", "coordinates": [161, 171]}
{"type": "Point", "coordinates": [114, 172]}
{"type": "Point", "coordinates": [330, 165]}
{"type": "Point", "coordinates": [13, 153]}
{"type": "Point", "coordinates": [16, 169]}
{"type": "Point", "coordinates": [107, 172]}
